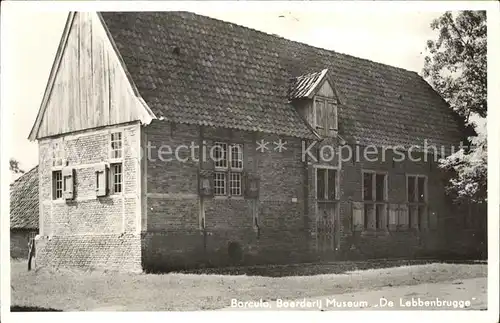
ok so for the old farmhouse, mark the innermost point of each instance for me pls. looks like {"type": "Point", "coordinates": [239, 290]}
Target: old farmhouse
{"type": "Point", "coordinates": [135, 101]}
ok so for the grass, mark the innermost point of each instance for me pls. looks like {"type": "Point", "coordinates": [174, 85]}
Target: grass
{"type": "Point", "coordinates": [74, 290]}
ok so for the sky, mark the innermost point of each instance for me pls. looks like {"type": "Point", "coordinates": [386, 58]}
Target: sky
{"type": "Point", "coordinates": [32, 38]}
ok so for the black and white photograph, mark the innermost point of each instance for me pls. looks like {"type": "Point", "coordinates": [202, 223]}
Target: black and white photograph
{"type": "Point", "coordinates": [243, 157]}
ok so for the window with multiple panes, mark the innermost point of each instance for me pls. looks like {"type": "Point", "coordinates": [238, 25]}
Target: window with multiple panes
{"type": "Point", "coordinates": [220, 183]}
{"type": "Point", "coordinates": [375, 200]}
{"type": "Point", "coordinates": [228, 162]}
{"type": "Point", "coordinates": [116, 145]}
{"type": "Point", "coordinates": [57, 155]}
{"type": "Point", "coordinates": [57, 184]}
{"type": "Point", "coordinates": [326, 184]}
{"type": "Point", "coordinates": [116, 178]}
{"type": "Point", "coordinates": [416, 192]}
{"type": "Point", "coordinates": [220, 155]}
{"type": "Point", "coordinates": [325, 115]}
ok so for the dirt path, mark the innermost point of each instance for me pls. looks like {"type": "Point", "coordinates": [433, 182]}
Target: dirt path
{"type": "Point", "coordinates": [459, 294]}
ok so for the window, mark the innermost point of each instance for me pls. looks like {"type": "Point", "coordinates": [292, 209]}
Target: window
{"type": "Point", "coordinates": [219, 183]}
{"type": "Point", "coordinates": [116, 145]}
{"type": "Point", "coordinates": [325, 116]}
{"type": "Point", "coordinates": [57, 155]}
{"type": "Point", "coordinates": [116, 178]}
{"type": "Point", "coordinates": [235, 184]}
{"type": "Point", "coordinates": [57, 185]}
{"type": "Point", "coordinates": [416, 192]}
{"type": "Point", "coordinates": [326, 184]}
{"type": "Point", "coordinates": [228, 177]}
{"type": "Point", "coordinates": [236, 157]}
{"type": "Point", "coordinates": [220, 155]}
{"type": "Point", "coordinates": [375, 200]}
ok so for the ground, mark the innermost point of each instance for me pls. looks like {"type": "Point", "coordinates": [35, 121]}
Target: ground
{"type": "Point", "coordinates": [74, 290]}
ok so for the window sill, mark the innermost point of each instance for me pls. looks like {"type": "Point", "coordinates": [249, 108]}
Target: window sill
{"type": "Point", "coordinates": [375, 233]}
{"type": "Point", "coordinates": [226, 197]}
{"type": "Point", "coordinates": [115, 160]}
{"type": "Point", "coordinates": [59, 201]}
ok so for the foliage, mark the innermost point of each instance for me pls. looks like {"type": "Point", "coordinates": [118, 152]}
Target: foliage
{"type": "Point", "coordinates": [456, 68]}
{"type": "Point", "coordinates": [15, 167]}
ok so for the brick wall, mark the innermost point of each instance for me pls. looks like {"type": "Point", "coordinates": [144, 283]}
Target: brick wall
{"type": "Point", "coordinates": [90, 231]}
{"type": "Point", "coordinates": [174, 237]}
{"type": "Point", "coordinates": [286, 208]}
{"type": "Point", "coordinates": [156, 223]}
{"type": "Point", "coordinates": [392, 243]}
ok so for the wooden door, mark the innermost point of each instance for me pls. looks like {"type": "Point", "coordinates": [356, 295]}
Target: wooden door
{"type": "Point", "coordinates": [325, 221]}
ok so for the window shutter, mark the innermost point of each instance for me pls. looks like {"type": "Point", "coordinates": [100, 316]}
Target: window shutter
{"type": "Point", "coordinates": [207, 161]}
{"type": "Point", "coordinates": [423, 217]}
{"type": "Point", "coordinates": [403, 216]}
{"type": "Point", "coordinates": [68, 183]}
{"type": "Point", "coordinates": [332, 117]}
{"type": "Point", "coordinates": [413, 217]}
{"type": "Point", "coordinates": [393, 217]}
{"type": "Point", "coordinates": [206, 183]}
{"type": "Point", "coordinates": [433, 220]}
{"type": "Point", "coordinates": [252, 184]}
{"type": "Point", "coordinates": [101, 173]}
{"type": "Point", "coordinates": [357, 216]}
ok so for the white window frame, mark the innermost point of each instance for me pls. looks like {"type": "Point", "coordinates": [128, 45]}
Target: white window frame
{"type": "Point", "coordinates": [226, 167]}
{"type": "Point", "coordinates": [58, 155]}
{"type": "Point", "coordinates": [222, 147]}
{"type": "Point", "coordinates": [239, 157]}
{"type": "Point", "coordinates": [236, 190]}
{"type": "Point", "coordinates": [220, 177]}
{"type": "Point", "coordinates": [112, 179]}
{"type": "Point", "coordinates": [55, 181]}
{"type": "Point", "coordinates": [112, 149]}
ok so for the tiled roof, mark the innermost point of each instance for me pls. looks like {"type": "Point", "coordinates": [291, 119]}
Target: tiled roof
{"type": "Point", "coordinates": [194, 69]}
{"type": "Point", "coordinates": [303, 85]}
{"type": "Point", "coordinates": [24, 201]}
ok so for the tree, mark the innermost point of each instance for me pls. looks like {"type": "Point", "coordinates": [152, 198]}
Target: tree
{"type": "Point", "coordinates": [14, 167]}
{"type": "Point", "coordinates": [456, 68]}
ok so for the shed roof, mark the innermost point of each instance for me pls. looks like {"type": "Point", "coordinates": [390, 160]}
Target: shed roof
{"type": "Point", "coordinates": [24, 201]}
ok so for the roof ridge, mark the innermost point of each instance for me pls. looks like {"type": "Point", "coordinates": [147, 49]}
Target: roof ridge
{"type": "Point", "coordinates": [298, 42]}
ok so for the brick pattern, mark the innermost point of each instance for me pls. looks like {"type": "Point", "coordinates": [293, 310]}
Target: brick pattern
{"type": "Point", "coordinates": [87, 231]}
{"type": "Point", "coordinates": [111, 252]}
{"type": "Point", "coordinates": [107, 232]}
{"type": "Point", "coordinates": [174, 238]}
{"type": "Point", "coordinates": [390, 244]}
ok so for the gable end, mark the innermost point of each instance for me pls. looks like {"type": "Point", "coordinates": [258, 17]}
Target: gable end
{"type": "Point", "coordinates": [89, 85]}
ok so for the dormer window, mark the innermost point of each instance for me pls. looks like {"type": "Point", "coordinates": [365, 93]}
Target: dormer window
{"type": "Point", "coordinates": [316, 100]}
{"type": "Point", "coordinates": [325, 119]}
